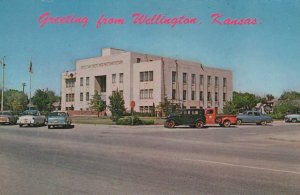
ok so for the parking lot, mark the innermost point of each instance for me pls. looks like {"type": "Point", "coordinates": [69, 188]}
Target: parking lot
{"type": "Point", "coordinates": [109, 159]}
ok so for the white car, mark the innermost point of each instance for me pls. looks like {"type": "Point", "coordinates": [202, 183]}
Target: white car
{"type": "Point", "coordinates": [294, 118]}
{"type": "Point", "coordinates": [31, 118]}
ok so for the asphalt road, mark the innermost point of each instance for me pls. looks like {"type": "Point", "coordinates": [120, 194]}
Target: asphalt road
{"type": "Point", "coordinates": [96, 159]}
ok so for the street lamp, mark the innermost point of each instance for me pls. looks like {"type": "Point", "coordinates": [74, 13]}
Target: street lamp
{"type": "Point", "coordinates": [3, 66]}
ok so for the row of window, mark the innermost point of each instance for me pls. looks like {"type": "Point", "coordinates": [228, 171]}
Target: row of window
{"type": "Point", "coordinates": [146, 94]}
{"type": "Point", "coordinates": [114, 76]}
{"type": "Point", "coordinates": [70, 83]}
{"type": "Point", "coordinates": [87, 96]}
{"type": "Point", "coordinates": [70, 97]}
{"type": "Point", "coordinates": [87, 81]}
{"type": "Point", "coordinates": [201, 79]}
{"type": "Point", "coordinates": [201, 96]}
{"type": "Point", "coordinates": [146, 76]}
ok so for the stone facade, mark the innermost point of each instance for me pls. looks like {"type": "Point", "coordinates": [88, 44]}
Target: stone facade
{"type": "Point", "coordinates": [145, 79]}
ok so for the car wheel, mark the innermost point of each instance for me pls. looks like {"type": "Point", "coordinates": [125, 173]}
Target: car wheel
{"type": "Point", "coordinates": [170, 124]}
{"type": "Point", "coordinates": [49, 126]}
{"type": "Point", "coordinates": [20, 125]}
{"type": "Point", "coordinates": [239, 122]}
{"type": "Point", "coordinates": [199, 124]}
{"type": "Point", "coordinates": [294, 120]}
{"type": "Point", "coordinates": [227, 123]}
{"type": "Point", "coordinates": [263, 123]}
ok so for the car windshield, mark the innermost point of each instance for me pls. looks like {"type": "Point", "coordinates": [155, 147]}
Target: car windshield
{"type": "Point", "coordinates": [57, 114]}
{"type": "Point", "coordinates": [30, 112]}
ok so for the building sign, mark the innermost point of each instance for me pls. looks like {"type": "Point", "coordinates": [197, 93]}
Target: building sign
{"type": "Point", "coordinates": [102, 64]}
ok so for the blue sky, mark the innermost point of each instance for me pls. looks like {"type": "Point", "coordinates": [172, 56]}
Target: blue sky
{"type": "Point", "coordinates": [264, 58]}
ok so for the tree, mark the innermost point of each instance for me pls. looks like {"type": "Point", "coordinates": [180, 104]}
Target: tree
{"type": "Point", "coordinates": [97, 103]}
{"type": "Point", "coordinates": [117, 105]}
{"type": "Point", "coordinates": [289, 102]}
{"type": "Point", "coordinates": [15, 100]}
{"type": "Point", "coordinates": [241, 101]}
{"type": "Point", "coordinates": [290, 95]}
{"type": "Point", "coordinates": [43, 100]}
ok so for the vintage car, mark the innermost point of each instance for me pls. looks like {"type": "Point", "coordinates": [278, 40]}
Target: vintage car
{"type": "Point", "coordinates": [7, 117]}
{"type": "Point", "coordinates": [253, 117]}
{"type": "Point", "coordinates": [59, 119]}
{"type": "Point", "coordinates": [294, 118]}
{"type": "Point", "coordinates": [191, 117]}
{"type": "Point", "coordinates": [31, 118]}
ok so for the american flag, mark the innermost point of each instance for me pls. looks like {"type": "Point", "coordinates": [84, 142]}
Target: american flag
{"type": "Point", "coordinates": [30, 67]}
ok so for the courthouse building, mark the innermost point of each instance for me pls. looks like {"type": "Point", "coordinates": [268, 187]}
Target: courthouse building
{"type": "Point", "coordinates": [145, 79]}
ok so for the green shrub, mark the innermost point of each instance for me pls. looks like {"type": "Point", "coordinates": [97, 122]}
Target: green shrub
{"type": "Point", "coordinates": [148, 122]}
{"type": "Point", "coordinates": [133, 120]}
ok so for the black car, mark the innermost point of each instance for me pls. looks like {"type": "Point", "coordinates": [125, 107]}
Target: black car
{"type": "Point", "coordinates": [191, 117]}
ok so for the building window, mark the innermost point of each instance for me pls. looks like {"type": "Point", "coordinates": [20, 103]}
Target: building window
{"type": "Point", "coordinates": [87, 81]}
{"type": "Point", "coordinates": [208, 80]}
{"type": "Point", "coordinates": [224, 97]}
{"type": "Point", "coordinates": [201, 96]}
{"type": "Point", "coordinates": [173, 76]}
{"type": "Point", "coordinates": [201, 79]}
{"type": "Point", "coordinates": [193, 95]}
{"type": "Point", "coordinates": [121, 92]}
{"type": "Point", "coordinates": [87, 96]}
{"type": "Point", "coordinates": [146, 94]}
{"type": "Point", "coordinates": [208, 96]}
{"type": "Point", "coordinates": [81, 81]}
{"type": "Point", "coordinates": [150, 93]}
{"type": "Point", "coordinates": [193, 79]}
{"type": "Point", "coordinates": [67, 98]}
{"type": "Point", "coordinates": [151, 109]}
{"type": "Point", "coordinates": [184, 95]}
{"type": "Point", "coordinates": [224, 82]}
{"type": "Point", "coordinates": [138, 60]}
{"type": "Point", "coordinates": [173, 94]}
{"type": "Point", "coordinates": [121, 77]}
{"type": "Point", "coordinates": [141, 94]}
{"type": "Point", "coordinates": [81, 96]}
{"type": "Point", "coordinates": [150, 75]}
{"type": "Point", "coordinates": [216, 82]}
{"type": "Point", "coordinates": [216, 96]}
{"type": "Point", "coordinates": [184, 75]}
{"type": "Point", "coordinates": [141, 76]}
{"type": "Point", "coordinates": [113, 78]}
{"type": "Point", "coordinates": [142, 109]}
{"type": "Point", "coordinates": [146, 76]}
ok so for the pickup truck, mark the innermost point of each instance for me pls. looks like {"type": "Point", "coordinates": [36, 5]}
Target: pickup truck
{"type": "Point", "coordinates": [224, 120]}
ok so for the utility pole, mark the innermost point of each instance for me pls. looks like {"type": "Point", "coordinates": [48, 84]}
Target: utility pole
{"type": "Point", "coordinates": [23, 86]}
{"type": "Point", "coordinates": [2, 98]}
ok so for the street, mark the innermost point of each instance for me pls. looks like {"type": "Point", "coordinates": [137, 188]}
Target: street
{"type": "Point", "coordinates": [108, 159]}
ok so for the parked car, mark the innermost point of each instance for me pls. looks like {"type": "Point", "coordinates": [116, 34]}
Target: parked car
{"type": "Point", "coordinates": [31, 118]}
{"type": "Point", "coordinates": [224, 120]}
{"type": "Point", "coordinates": [59, 119]}
{"type": "Point", "coordinates": [294, 118]}
{"type": "Point", "coordinates": [191, 117]}
{"type": "Point", "coordinates": [253, 117]}
{"type": "Point", "coordinates": [7, 117]}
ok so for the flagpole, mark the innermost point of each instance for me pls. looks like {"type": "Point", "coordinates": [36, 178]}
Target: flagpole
{"type": "Point", "coordinates": [2, 98]}
{"type": "Point", "coordinates": [30, 73]}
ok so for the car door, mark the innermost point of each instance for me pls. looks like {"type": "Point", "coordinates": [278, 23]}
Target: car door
{"type": "Point", "coordinates": [257, 117]}
{"type": "Point", "coordinates": [249, 118]}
